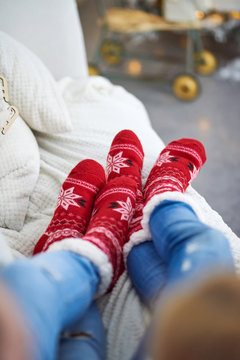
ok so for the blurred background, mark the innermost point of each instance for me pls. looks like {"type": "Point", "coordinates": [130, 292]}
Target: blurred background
{"type": "Point", "coordinates": [181, 58]}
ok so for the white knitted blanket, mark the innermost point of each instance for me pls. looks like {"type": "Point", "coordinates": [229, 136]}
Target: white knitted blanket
{"type": "Point", "coordinates": [98, 111]}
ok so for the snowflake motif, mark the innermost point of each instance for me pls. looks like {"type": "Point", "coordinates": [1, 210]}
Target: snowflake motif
{"type": "Point", "coordinates": [126, 209]}
{"type": "Point", "coordinates": [164, 158]}
{"type": "Point", "coordinates": [67, 197]}
{"type": "Point", "coordinates": [115, 163]}
{"type": "Point", "coordinates": [194, 172]}
{"type": "Point", "coordinates": [139, 206]}
{"type": "Point", "coordinates": [94, 212]}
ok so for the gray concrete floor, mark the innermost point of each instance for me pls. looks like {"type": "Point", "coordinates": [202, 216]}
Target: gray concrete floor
{"type": "Point", "coordinates": [214, 119]}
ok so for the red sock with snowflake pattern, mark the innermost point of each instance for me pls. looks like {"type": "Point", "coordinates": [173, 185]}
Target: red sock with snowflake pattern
{"type": "Point", "coordinates": [177, 165]}
{"type": "Point", "coordinates": [125, 157]}
{"type": "Point", "coordinates": [74, 205]}
{"type": "Point", "coordinates": [113, 211]}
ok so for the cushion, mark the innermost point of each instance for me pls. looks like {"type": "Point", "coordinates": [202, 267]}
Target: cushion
{"type": "Point", "coordinates": [19, 171]}
{"type": "Point", "coordinates": [32, 88]}
{"type": "Point", "coordinates": [59, 46]}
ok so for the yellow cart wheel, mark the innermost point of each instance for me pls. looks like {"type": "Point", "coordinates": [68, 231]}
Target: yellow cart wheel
{"type": "Point", "coordinates": [134, 67]}
{"type": "Point", "coordinates": [93, 70]}
{"type": "Point", "coordinates": [186, 87]}
{"type": "Point", "coordinates": [206, 62]}
{"type": "Point", "coordinates": [112, 52]}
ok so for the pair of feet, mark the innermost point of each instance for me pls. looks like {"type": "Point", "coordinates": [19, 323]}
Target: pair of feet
{"type": "Point", "coordinates": [97, 214]}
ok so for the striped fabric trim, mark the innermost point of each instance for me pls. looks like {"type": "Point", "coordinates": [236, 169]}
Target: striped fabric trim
{"type": "Point", "coordinates": [113, 240]}
{"type": "Point", "coordinates": [114, 191]}
{"type": "Point", "coordinates": [162, 188]}
{"type": "Point", "coordinates": [166, 178]}
{"type": "Point", "coordinates": [61, 233]}
{"type": "Point", "coordinates": [100, 244]}
{"type": "Point", "coordinates": [107, 233]}
{"type": "Point", "coordinates": [186, 151]}
{"type": "Point", "coordinates": [82, 184]}
{"type": "Point", "coordinates": [128, 147]}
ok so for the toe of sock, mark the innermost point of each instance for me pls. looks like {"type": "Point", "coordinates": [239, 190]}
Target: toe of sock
{"type": "Point", "coordinates": [91, 171]}
{"type": "Point", "coordinates": [127, 136]}
{"type": "Point", "coordinates": [191, 144]}
{"type": "Point", "coordinates": [197, 146]}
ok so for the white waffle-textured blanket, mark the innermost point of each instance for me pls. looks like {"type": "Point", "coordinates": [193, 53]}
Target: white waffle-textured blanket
{"type": "Point", "coordinates": [98, 111]}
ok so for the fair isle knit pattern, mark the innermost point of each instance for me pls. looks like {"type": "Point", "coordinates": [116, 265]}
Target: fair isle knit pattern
{"type": "Point", "coordinates": [112, 214]}
{"type": "Point", "coordinates": [126, 158]}
{"type": "Point", "coordinates": [176, 167]}
{"type": "Point", "coordinates": [136, 224]}
{"type": "Point", "coordinates": [74, 204]}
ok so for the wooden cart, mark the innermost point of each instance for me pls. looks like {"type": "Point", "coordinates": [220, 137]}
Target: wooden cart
{"type": "Point", "coordinates": [119, 21]}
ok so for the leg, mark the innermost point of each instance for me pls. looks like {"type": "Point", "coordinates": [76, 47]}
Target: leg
{"type": "Point", "coordinates": [189, 247]}
{"type": "Point", "coordinates": [147, 270]}
{"type": "Point", "coordinates": [96, 232]}
{"type": "Point", "coordinates": [85, 337]}
{"type": "Point", "coordinates": [46, 287]}
{"type": "Point", "coordinates": [145, 267]}
{"type": "Point", "coordinates": [175, 168]}
{"type": "Point", "coordinates": [52, 290]}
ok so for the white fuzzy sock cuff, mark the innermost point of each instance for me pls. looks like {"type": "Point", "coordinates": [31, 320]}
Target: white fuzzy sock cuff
{"type": "Point", "coordinates": [144, 234]}
{"type": "Point", "coordinates": [91, 252]}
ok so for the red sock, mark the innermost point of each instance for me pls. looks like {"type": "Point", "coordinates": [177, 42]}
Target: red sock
{"type": "Point", "coordinates": [135, 225]}
{"type": "Point", "coordinates": [113, 211]}
{"type": "Point", "coordinates": [177, 165]}
{"type": "Point", "coordinates": [126, 158]}
{"type": "Point", "coordinates": [74, 205]}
